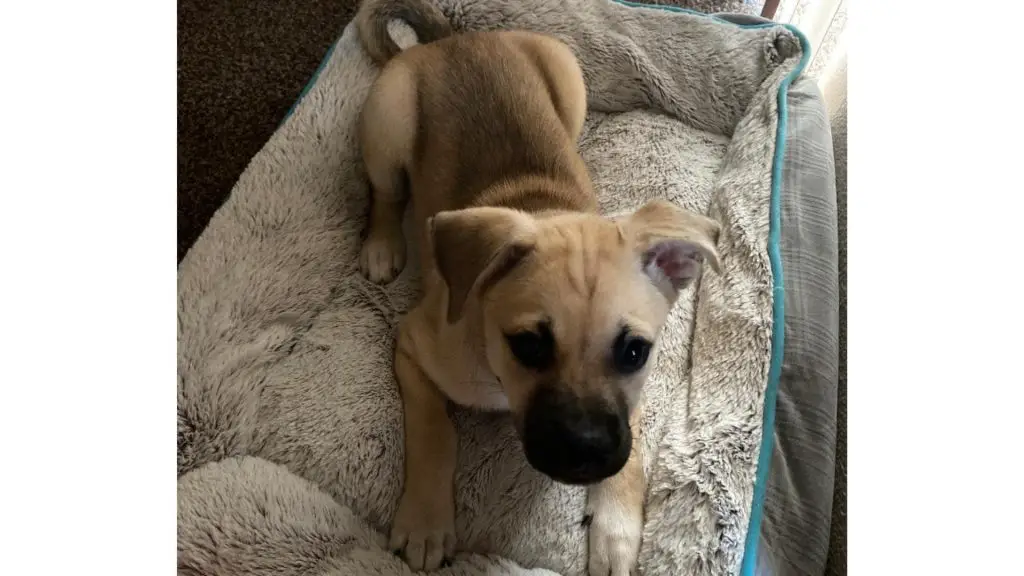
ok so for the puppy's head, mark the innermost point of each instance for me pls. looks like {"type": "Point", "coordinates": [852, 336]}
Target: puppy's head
{"type": "Point", "coordinates": [571, 307]}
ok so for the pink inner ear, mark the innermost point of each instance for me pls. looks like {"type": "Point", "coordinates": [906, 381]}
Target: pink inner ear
{"type": "Point", "coordinates": [675, 259]}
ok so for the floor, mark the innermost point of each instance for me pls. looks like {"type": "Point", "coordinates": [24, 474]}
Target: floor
{"type": "Point", "coordinates": [241, 65]}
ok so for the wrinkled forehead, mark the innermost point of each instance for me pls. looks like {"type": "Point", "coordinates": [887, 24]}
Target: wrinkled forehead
{"type": "Point", "coordinates": [583, 279]}
{"type": "Point", "coordinates": [582, 238]}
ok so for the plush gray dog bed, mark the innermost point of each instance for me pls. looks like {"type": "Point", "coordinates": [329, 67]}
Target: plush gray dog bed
{"type": "Point", "coordinates": [289, 423]}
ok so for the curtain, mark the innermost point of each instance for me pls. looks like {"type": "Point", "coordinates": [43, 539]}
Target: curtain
{"type": "Point", "coordinates": [824, 24]}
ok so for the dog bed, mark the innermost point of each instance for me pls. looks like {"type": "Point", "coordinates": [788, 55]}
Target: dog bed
{"type": "Point", "coordinates": [289, 421]}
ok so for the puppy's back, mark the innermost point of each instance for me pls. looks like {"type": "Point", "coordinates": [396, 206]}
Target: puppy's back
{"type": "Point", "coordinates": [489, 113]}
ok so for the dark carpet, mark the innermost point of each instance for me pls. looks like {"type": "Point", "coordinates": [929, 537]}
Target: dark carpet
{"type": "Point", "coordinates": [241, 65]}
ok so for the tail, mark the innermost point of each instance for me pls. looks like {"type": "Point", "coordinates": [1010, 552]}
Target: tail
{"type": "Point", "coordinates": [423, 16]}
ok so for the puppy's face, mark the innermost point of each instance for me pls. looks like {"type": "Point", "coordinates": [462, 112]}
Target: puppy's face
{"type": "Point", "coordinates": [571, 307]}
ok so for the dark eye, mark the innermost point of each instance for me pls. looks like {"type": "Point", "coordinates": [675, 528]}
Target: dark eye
{"type": "Point", "coordinates": [534, 350]}
{"type": "Point", "coordinates": [629, 353]}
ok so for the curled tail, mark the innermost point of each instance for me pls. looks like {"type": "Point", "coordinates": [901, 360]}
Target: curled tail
{"type": "Point", "coordinates": [423, 16]}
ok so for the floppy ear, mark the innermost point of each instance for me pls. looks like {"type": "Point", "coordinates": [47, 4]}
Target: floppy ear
{"type": "Point", "coordinates": [673, 243]}
{"type": "Point", "coordinates": [475, 247]}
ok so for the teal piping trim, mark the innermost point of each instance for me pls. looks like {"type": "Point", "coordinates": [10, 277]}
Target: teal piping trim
{"type": "Point", "coordinates": [778, 314]}
{"type": "Point", "coordinates": [747, 568]}
{"type": "Point", "coordinates": [764, 458]}
{"type": "Point", "coordinates": [312, 81]}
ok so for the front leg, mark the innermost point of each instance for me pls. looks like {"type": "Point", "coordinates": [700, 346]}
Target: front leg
{"type": "Point", "coordinates": [615, 512]}
{"type": "Point", "coordinates": [423, 530]}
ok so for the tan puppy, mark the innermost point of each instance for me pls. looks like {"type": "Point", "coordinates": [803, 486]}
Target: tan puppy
{"type": "Point", "coordinates": [533, 303]}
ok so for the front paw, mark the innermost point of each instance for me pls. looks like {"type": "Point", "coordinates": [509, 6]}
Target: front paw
{"type": "Point", "coordinates": [382, 256]}
{"type": "Point", "coordinates": [423, 531]}
{"type": "Point", "coordinates": [614, 538]}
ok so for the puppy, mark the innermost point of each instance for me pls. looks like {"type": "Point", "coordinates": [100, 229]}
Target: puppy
{"type": "Point", "coordinates": [533, 303]}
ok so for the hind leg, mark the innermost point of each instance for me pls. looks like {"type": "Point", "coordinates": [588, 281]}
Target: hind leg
{"type": "Point", "coordinates": [563, 76]}
{"type": "Point", "coordinates": [388, 126]}
{"type": "Point", "coordinates": [383, 254]}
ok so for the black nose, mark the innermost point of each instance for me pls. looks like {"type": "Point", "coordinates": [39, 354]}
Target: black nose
{"type": "Point", "coordinates": [574, 440]}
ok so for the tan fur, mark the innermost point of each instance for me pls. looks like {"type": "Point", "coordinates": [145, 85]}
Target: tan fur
{"type": "Point", "coordinates": [613, 505]}
{"type": "Point", "coordinates": [481, 129]}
